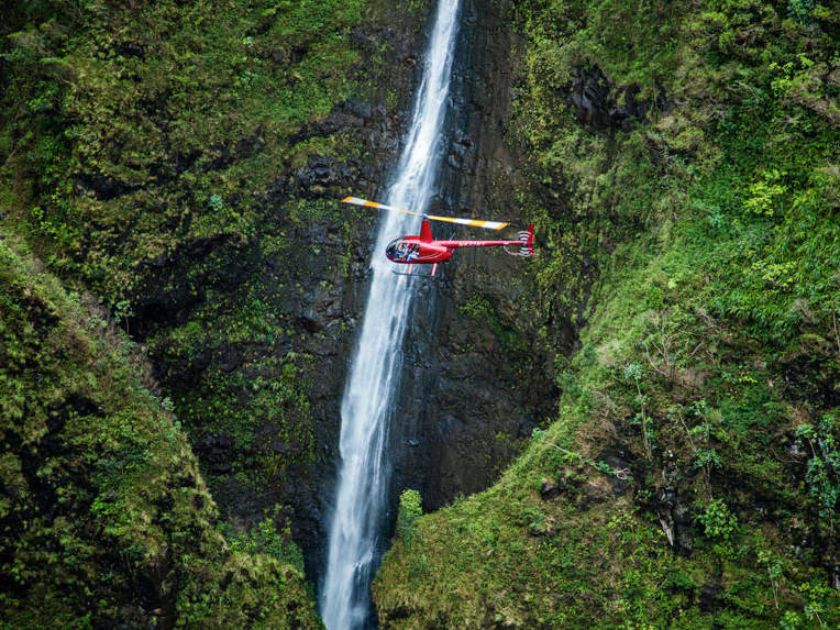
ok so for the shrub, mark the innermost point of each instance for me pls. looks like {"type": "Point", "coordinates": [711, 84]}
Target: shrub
{"type": "Point", "coordinates": [718, 521]}
{"type": "Point", "coordinates": [411, 508]}
{"type": "Point", "coordinates": [800, 10]}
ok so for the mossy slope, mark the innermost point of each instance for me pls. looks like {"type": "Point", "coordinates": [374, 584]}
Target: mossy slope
{"type": "Point", "coordinates": [182, 162]}
{"type": "Point", "coordinates": [104, 516]}
{"type": "Point", "coordinates": [684, 177]}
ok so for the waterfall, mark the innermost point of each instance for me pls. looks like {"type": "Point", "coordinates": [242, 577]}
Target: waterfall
{"type": "Point", "coordinates": [368, 399]}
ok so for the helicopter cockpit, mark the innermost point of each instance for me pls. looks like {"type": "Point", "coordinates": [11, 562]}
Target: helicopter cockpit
{"type": "Point", "coordinates": [400, 251]}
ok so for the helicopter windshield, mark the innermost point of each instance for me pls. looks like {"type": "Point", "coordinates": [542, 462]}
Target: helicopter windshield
{"type": "Point", "coordinates": [400, 251]}
{"type": "Point", "coordinates": [396, 250]}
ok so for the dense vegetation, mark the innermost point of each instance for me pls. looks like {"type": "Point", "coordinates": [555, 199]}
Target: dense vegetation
{"type": "Point", "coordinates": [684, 172]}
{"type": "Point", "coordinates": [104, 516]}
{"type": "Point", "coordinates": [161, 164]}
{"type": "Point", "coordinates": [150, 152]}
{"type": "Point", "coordinates": [157, 159]}
{"type": "Point", "coordinates": [143, 132]}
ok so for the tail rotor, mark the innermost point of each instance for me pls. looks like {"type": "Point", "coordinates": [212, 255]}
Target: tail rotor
{"type": "Point", "coordinates": [526, 237]}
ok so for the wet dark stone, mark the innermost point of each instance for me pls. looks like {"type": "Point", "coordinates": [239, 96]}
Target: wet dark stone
{"type": "Point", "coordinates": [677, 517]}
{"type": "Point", "coordinates": [549, 490]}
{"type": "Point", "coordinates": [358, 108]}
{"type": "Point", "coordinates": [526, 427]}
{"type": "Point", "coordinates": [298, 53]}
{"type": "Point", "coordinates": [596, 103]}
{"type": "Point", "coordinates": [231, 358]}
{"type": "Point", "coordinates": [622, 480]}
{"type": "Point", "coordinates": [103, 187]}
{"type": "Point", "coordinates": [215, 451]}
{"type": "Point", "coordinates": [130, 49]}
{"type": "Point", "coordinates": [311, 321]}
{"type": "Point", "coordinates": [320, 174]}
{"type": "Point", "coordinates": [683, 521]}
{"type": "Point", "coordinates": [590, 96]}
{"type": "Point", "coordinates": [711, 597]}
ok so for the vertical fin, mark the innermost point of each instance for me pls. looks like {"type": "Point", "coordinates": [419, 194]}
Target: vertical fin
{"type": "Point", "coordinates": [426, 231]}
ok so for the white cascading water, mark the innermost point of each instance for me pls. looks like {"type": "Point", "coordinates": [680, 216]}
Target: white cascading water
{"type": "Point", "coordinates": [368, 394]}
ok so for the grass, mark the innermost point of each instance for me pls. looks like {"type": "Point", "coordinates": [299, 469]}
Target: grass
{"type": "Point", "coordinates": [707, 311]}
{"type": "Point", "coordinates": [105, 517]}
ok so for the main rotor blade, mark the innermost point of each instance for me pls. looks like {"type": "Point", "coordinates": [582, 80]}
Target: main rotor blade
{"type": "Point", "coordinates": [380, 206]}
{"type": "Point", "coordinates": [489, 225]}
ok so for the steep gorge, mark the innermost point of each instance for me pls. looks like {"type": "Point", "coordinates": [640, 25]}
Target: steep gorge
{"type": "Point", "coordinates": [212, 232]}
{"type": "Point", "coordinates": [213, 236]}
{"type": "Point", "coordinates": [180, 164]}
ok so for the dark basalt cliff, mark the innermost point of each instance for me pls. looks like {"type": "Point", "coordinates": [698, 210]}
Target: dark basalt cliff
{"type": "Point", "coordinates": [473, 387]}
{"type": "Point", "coordinates": [475, 382]}
{"type": "Point", "coordinates": [314, 286]}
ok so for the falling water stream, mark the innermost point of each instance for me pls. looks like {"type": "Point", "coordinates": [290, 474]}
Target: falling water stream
{"type": "Point", "coordinates": [368, 400]}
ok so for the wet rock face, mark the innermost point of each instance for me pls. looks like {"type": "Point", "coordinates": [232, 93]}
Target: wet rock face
{"type": "Point", "coordinates": [474, 383]}
{"type": "Point", "coordinates": [310, 273]}
{"type": "Point", "coordinates": [328, 304]}
{"type": "Point", "coordinates": [675, 519]}
{"type": "Point", "coordinates": [596, 103]}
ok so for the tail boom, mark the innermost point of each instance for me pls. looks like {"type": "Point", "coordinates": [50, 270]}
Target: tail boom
{"type": "Point", "coordinates": [525, 242]}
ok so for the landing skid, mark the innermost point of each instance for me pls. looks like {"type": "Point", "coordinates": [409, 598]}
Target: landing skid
{"type": "Point", "coordinates": [412, 274]}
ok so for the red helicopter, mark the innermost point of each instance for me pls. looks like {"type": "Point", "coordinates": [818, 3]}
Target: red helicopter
{"type": "Point", "coordinates": [423, 249]}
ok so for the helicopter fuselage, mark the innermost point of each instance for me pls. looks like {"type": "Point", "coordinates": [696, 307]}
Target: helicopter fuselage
{"type": "Point", "coordinates": [423, 249]}
{"type": "Point", "coordinates": [410, 250]}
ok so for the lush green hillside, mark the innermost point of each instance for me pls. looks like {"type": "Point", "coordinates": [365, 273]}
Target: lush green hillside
{"type": "Point", "coordinates": [684, 176]}
{"type": "Point", "coordinates": [172, 160]}
{"type": "Point", "coordinates": [178, 291]}
{"type": "Point", "coordinates": [180, 161]}
{"type": "Point", "coordinates": [104, 516]}
{"type": "Point", "coordinates": [141, 133]}
{"type": "Point", "coordinates": [159, 154]}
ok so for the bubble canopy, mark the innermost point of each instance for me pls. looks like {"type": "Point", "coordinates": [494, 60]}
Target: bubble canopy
{"type": "Point", "coordinates": [398, 250]}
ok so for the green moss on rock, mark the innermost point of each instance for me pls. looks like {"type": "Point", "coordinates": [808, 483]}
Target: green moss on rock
{"type": "Point", "coordinates": [105, 518]}
{"type": "Point", "coordinates": [683, 174]}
